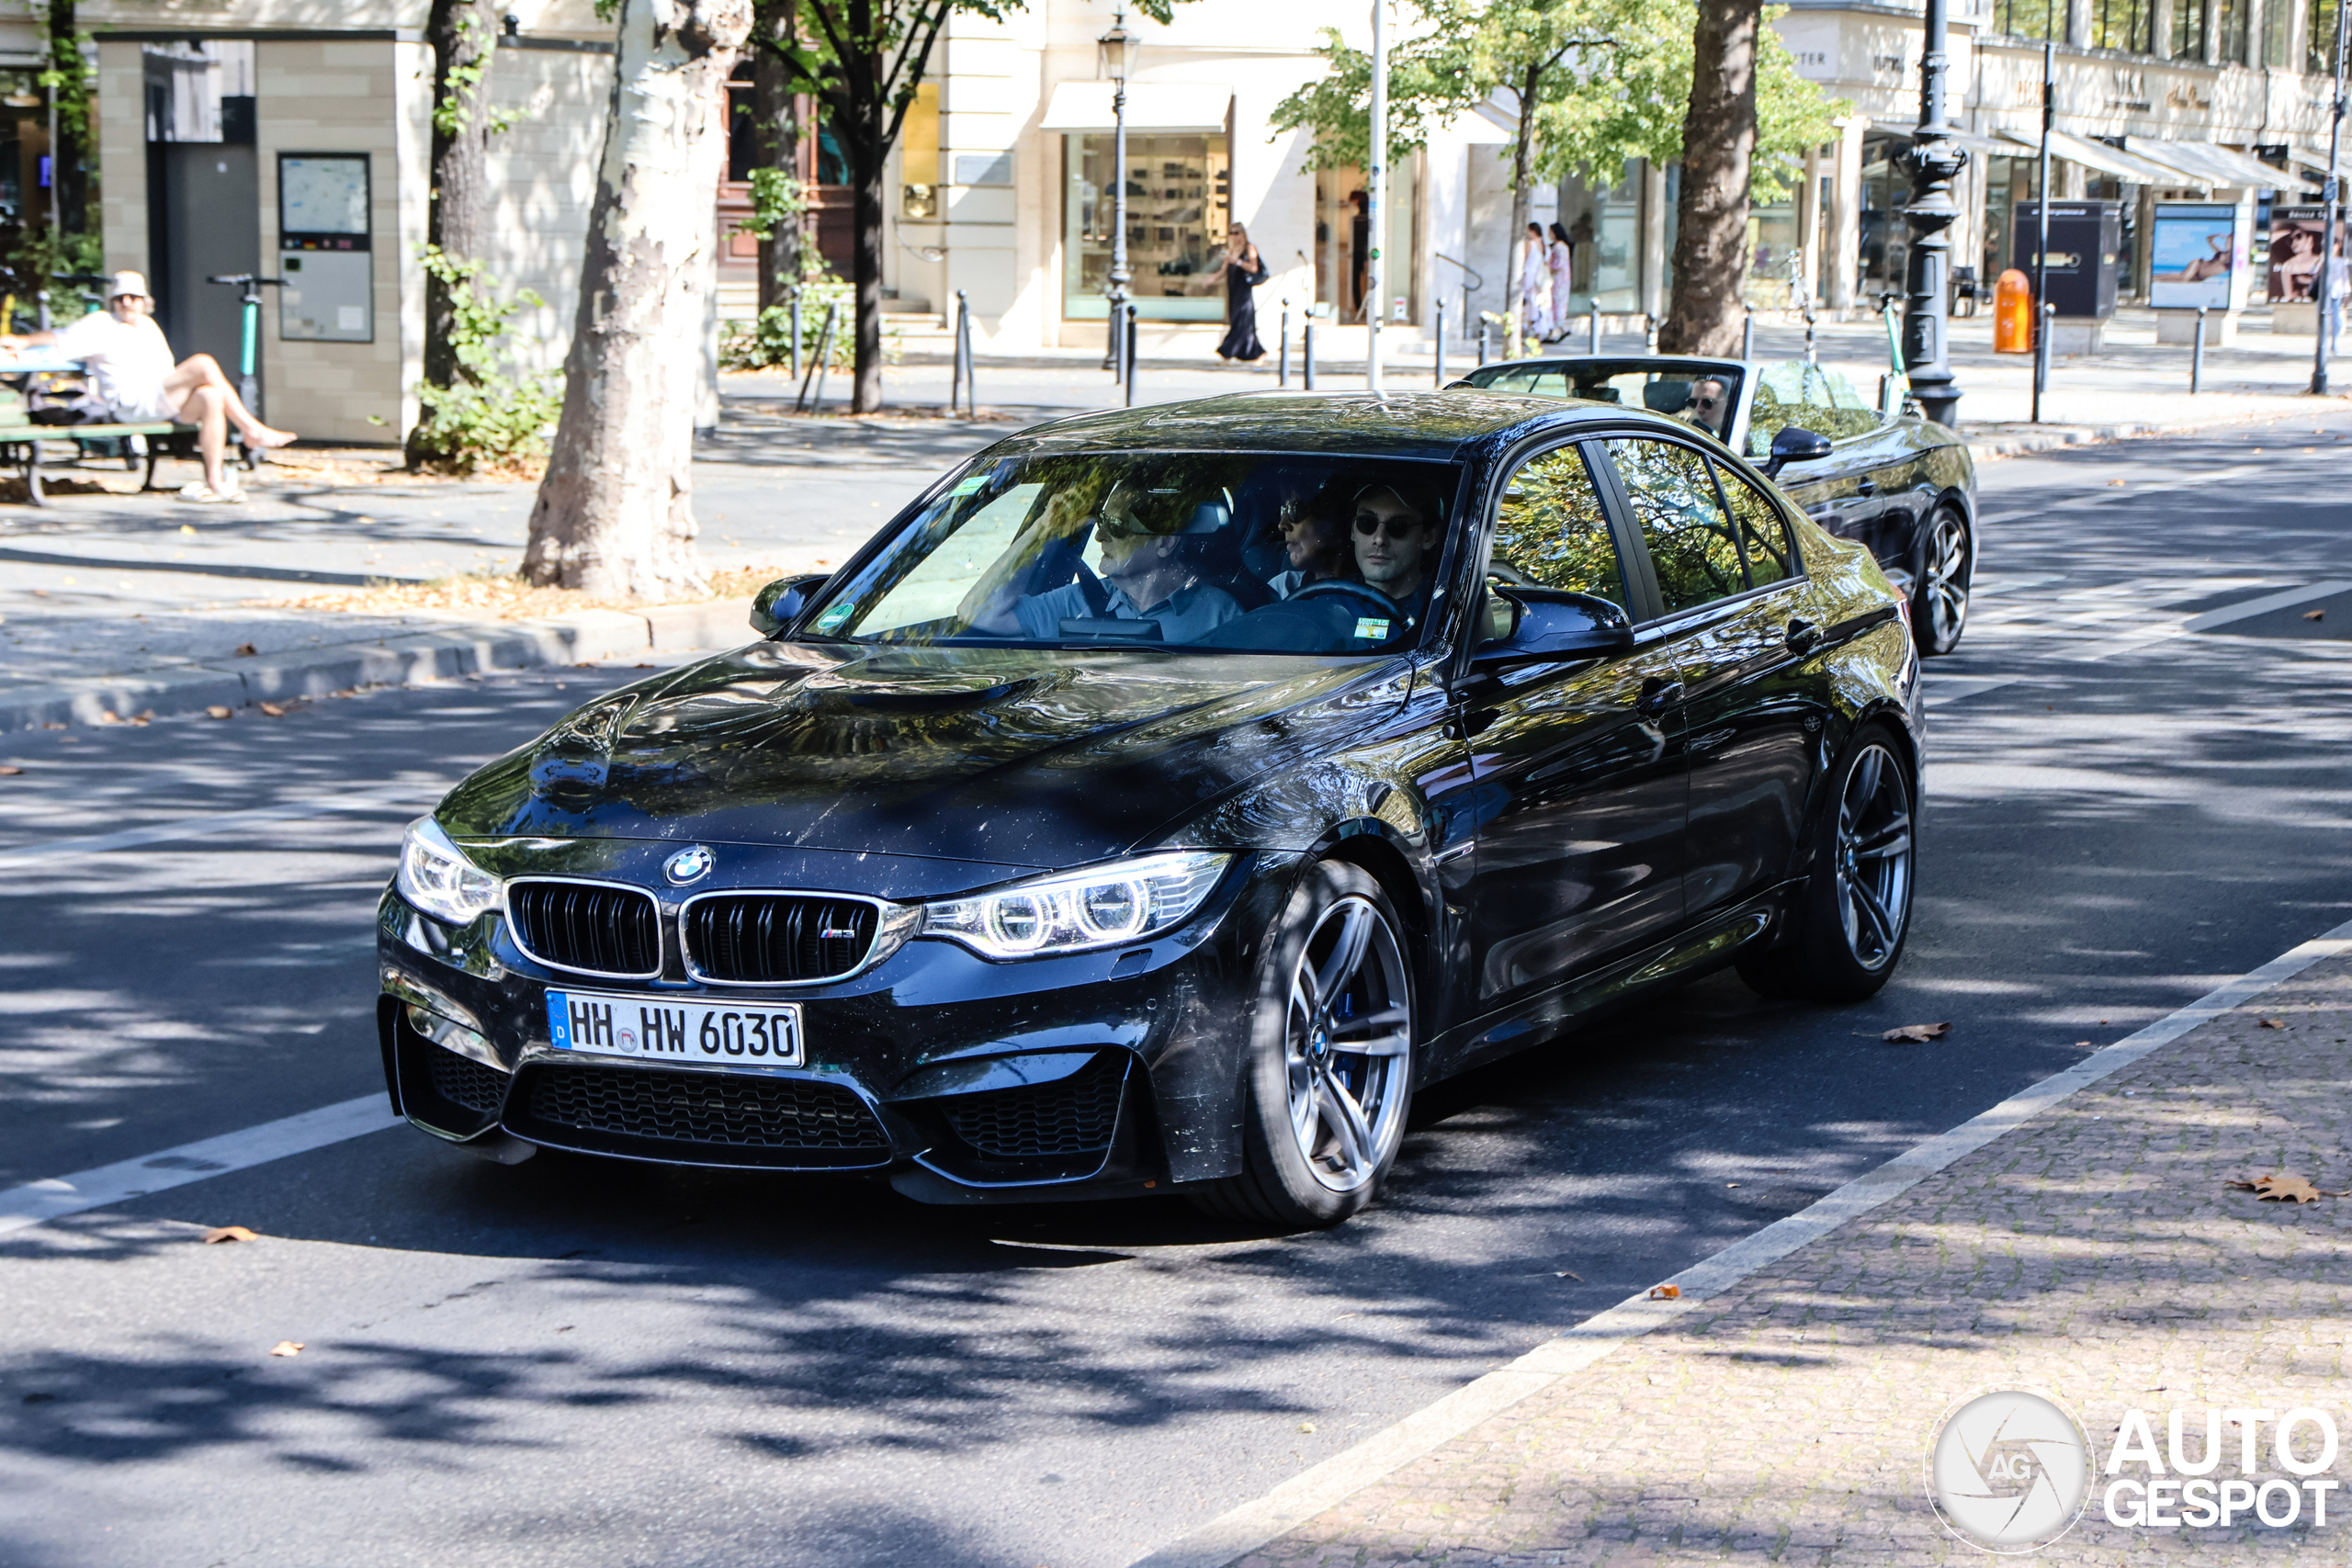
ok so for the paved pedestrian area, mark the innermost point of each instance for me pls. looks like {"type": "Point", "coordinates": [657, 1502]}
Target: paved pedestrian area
{"type": "Point", "coordinates": [2095, 1252]}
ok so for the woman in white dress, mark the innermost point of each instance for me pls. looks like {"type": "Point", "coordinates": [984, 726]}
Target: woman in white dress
{"type": "Point", "coordinates": [1562, 261]}
{"type": "Point", "coordinates": [1535, 288]}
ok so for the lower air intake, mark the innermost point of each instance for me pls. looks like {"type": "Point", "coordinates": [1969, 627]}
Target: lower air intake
{"type": "Point", "coordinates": [1072, 1116]}
{"type": "Point", "coordinates": [699, 1118]}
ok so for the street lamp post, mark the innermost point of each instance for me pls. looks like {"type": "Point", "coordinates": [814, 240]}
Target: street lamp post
{"type": "Point", "coordinates": [1117, 49]}
{"type": "Point", "coordinates": [1934, 161]}
{"type": "Point", "coordinates": [2323, 344]}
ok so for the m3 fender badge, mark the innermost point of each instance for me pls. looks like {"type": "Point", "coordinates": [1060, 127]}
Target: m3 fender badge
{"type": "Point", "coordinates": [690, 864]}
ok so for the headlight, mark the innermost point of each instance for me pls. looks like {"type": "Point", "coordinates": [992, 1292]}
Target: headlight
{"type": "Point", "coordinates": [1071, 912]}
{"type": "Point", "coordinates": [436, 877]}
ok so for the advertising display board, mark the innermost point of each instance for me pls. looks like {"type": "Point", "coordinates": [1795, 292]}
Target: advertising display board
{"type": "Point", "coordinates": [2197, 250]}
{"type": "Point", "coordinates": [2295, 252]}
{"type": "Point", "coordinates": [2085, 240]}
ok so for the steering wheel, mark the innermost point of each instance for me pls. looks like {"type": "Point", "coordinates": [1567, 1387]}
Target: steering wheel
{"type": "Point", "coordinates": [1340, 587]}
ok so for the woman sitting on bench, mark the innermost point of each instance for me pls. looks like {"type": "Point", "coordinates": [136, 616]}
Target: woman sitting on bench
{"type": "Point", "coordinates": [133, 381]}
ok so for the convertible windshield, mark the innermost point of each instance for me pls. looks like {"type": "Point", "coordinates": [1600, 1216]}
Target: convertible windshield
{"type": "Point", "coordinates": [1704, 395]}
{"type": "Point", "coordinates": [1237, 552]}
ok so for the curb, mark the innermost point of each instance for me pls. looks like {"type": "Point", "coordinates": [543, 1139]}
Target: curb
{"type": "Point", "coordinates": [1241, 1530]}
{"type": "Point", "coordinates": [582, 638]}
{"type": "Point", "coordinates": [2017, 442]}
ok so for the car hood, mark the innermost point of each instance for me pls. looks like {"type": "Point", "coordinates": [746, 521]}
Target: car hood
{"type": "Point", "coordinates": [1016, 758]}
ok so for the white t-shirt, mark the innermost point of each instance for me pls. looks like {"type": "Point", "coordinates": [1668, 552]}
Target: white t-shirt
{"type": "Point", "coordinates": [128, 361]}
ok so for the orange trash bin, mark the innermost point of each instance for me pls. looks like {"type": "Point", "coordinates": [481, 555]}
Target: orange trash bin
{"type": "Point", "coordinates": [2013, 313]}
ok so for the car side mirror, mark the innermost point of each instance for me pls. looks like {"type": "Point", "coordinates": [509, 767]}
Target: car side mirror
{"type": "Point", "coordinates": [780, 603]}
{"type": "Point", "coordinates": [1549, 625]}
{"type": "Point", "coordinates": [1795, 445]}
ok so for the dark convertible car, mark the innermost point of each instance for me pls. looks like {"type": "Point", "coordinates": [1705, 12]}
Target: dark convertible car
{"type": "Point", "coordinates": [1165, 796]}
{"type": "Point", "coordinates": [1902, 485]}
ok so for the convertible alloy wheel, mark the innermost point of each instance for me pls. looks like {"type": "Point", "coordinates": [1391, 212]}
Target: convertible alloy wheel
{"type": "Point", "coordinates": [1873, 858]}
{"type": "Point", "coordinates": [1940, 606]}
{"type": "Point", "coordinates": [1348, 1045]}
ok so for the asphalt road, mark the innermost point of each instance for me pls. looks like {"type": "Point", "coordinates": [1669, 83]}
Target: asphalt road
{"type": "Point", "coordinates": [562, 1362]}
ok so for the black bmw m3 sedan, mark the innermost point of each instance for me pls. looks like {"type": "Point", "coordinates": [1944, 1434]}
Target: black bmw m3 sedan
{"type": "Point", "coordinates": [1164, 797]}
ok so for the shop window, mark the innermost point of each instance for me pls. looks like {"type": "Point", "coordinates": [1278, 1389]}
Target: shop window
{"type": "Point", "coordinates": [2277, 32]}
{"type": "Point", "coordinates": [1772, 244]}
{"type": "Point", "coordinates": [2124, 24]}
{"type": "Point", "coordinates": [1886, 233]}
{"type": "Point", "coordinates": [2187, 40]}
{"type": "Point", "coordinates": [1178, 209]}
{"type": "Point", "coordinates": [2318, 46]}
{"type": "Point", "coordinates": [2232, 32]}
{"type": "Point", "coordinates": [1341, 239]}
{"type": "Point", "coordinates": [2035, 19]}
{"type": "Point", "coordinates": [919, 156]}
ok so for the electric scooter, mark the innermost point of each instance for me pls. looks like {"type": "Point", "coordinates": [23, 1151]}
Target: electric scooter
{"type": "Point", "coordinates": [248, 378]}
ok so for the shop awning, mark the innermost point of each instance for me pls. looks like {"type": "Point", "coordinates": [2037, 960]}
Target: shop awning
{"type": "Point", "coordinates": [2313, 165]}
{"type": "Point", "coordinates": [2210, 165]}
{"type": "Point", "coordinates": [2106, 159]}
{"type": "Point", "coordinates": [1151, 107]}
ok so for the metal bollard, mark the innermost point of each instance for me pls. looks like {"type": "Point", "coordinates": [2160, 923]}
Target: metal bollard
{"type": "Point", "coordinates": [1486, 351]}
{"type": "Point", "coordinates": [2041, 356]}
{"type": "Point", "coordinates": [1748, 334]}
{"type": "Point", "coordinates": [824, 356]}
{"type": "Point", "coordinates": [1649, 334]}
{"type": "Point", "coordinates": [2197, 356]}
{"type": "Point", "coordinates": [1441, 343]}
{"type": "Point", "coordinates": [970, 371]}
{"type": "Point", "coordinates": [1306, 359]}
{"type": "Point", "coordinates": [796, 335]}
{"type": "Point", "coordinates": [1129, 375]}
{"type": "Point", "coordinates": [1282, 354]}
{"type": "Point", "coordinates": [1592, 329]}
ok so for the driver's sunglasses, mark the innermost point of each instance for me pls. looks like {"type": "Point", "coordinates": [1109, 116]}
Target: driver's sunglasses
{"type": "Point", "coordinates": [1706, 402]}
{"type": "Point", "coordinates": [1395, 527]}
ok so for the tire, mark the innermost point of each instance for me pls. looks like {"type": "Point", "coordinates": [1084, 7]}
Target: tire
{"type": "Point", "coordinates": [1322, 1115]}
{"type": "Point", "coordinates": [1841, 947]}
{"type": "Point", "coordinates": [1940, 587]}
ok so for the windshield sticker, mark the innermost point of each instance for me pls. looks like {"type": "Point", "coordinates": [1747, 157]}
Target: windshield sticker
{"type": "Point", "coordinates": [967, 485]}
{"type": "Point", "coordinates": [1372, 630]}
{"type": "Point", "coordinates": [833, 618]}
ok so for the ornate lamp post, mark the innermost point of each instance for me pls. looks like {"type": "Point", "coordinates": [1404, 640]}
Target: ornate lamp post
{"type": "Point", "coordinates": [2324, 335]}
{"type": "Point", "coordinates": [1116, 52]}
{"type": "Point", "coordinates": [1933, 162]}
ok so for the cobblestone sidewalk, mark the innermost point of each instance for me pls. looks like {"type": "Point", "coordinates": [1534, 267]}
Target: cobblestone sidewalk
{"type": "Point", "coordinates": [2094, 1251]}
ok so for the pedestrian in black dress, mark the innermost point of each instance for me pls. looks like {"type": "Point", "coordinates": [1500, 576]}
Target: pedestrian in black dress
{"type": "Point", "coordinates": [1244, 270]}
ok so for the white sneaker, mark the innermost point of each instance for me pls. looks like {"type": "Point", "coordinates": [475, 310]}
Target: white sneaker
{"type": "Point", "coordinates": [205, 492]}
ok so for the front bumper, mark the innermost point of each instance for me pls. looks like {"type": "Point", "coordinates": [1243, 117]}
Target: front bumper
{"type": "Point", "coordinates": [960, 1079]}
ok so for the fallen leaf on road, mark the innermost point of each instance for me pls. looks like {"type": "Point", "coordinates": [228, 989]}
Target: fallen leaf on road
{"type": "Point", "coordinates": [1666, 1292]}
{"type": "Point", "coordinates": [2274, 1023]}
{"type": "Point", "coordinates": [2315, 614]}
{"type": "Point", "coordinates": [109, 717]}
{"type": "Point", "coordinates": [217, 711]}
{"type": "Point", "coordinates": [1307, 1425]}
{"type": "Point", "coordinates": [287, 1348]}
{"type": "Point", "coordinates": [1568, 1274]}
{"type": "Point", "coordinates": [2287, 1188]}
{"type": "Point", "coordinates": [228, 1233]}
{"type": "Point", "coordinates": [2116, 483]}
{"type": "Point", "coordinates": [246, 650]}
{"type": "Point", "coordinates": [10, 771]}
{"type": "Point", "coordinates": [1915, 1033]}
{"type": "Point", "coordinates": [273, 710]}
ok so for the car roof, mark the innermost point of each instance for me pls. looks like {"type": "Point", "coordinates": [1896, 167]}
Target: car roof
{"type": "Point", "coordinates": [1423, 425]}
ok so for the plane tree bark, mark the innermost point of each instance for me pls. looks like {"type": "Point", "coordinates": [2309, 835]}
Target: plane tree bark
{"type": "Point", "coordinates": [463, 35]}
{"type": "Point", "coordinates": [1718, 151]}
{"type": "Point", "coordinates": [615, 512]}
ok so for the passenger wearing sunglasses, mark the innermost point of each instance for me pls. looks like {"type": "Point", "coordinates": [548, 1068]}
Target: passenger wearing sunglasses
{"type": "Point", "coordinates": [1709, 405]}
{"type": "Point", "coordinates": [1397, 541]}
{"type": "Point", "coordinates": [1315, 542]}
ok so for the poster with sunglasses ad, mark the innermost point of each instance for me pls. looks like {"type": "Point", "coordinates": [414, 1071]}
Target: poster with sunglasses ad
{"type": "Point", "coordinates": [2296, 252]}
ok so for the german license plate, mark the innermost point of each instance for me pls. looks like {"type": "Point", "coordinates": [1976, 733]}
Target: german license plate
{"type": "Point", "coordinates": [661, 1029]}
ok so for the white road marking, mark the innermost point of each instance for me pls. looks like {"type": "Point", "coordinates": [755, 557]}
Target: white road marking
{"type": "Point", "coordinates": [2129, 492]}
{"type": "Point", "coordinates": [58, 1196]}
{"type": "Point", "coordinates": [2245, 611]}
{"type": "Point", "coordinates": [1942, 689]}
{"type": "Point", "coordinates": [388, 798]}
{"type": "Point", "coordinates": [1243, 1529]}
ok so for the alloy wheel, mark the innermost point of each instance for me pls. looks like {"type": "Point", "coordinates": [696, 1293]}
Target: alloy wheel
{"type": "Point", "coordinates": [1874, 857]}
{"type": "Point", "coordinates": [1943, 586]}
{"type": "Point", "coordinates": [1348, 1046]}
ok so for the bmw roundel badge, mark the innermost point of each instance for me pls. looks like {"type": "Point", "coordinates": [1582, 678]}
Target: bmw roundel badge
{"type": "Point", "coordinates": [690, 864]}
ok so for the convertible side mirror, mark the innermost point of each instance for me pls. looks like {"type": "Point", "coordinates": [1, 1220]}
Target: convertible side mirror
{"type": "Point", "coordinates": [1551, 625]}
{"type": "Point", "coordinates": [779, 604]}
{"type": "Point", "coordinates": [1795, 445]}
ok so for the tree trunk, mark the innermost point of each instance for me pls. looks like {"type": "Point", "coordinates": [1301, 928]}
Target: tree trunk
{"type": "Point", "coordinates": [1718, 144]}
{"type": "Point", "coordinates": [463, 34]}
{"type": "Point", "coordinates": [869, 158]}
{"type": "Point", "coordinates": [1521, 160]}
{"type": "Point", "coordinates": [69, 162]}
{"type": "Point", "coordinates": [775, 109]}
{"type": "Point", "coordinates": [614, 513]}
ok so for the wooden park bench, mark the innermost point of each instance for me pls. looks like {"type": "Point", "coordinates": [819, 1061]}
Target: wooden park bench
{"type": "Point", "coordinates": [21, 439]}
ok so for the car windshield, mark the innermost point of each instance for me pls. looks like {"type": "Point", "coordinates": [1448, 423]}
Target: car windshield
{"type": "Point", "coordinates": [1812, 397]}
{"type": "Point", "coordinates": [1209, 551]}
{"type": "Point", "coordinates": [1700, 395]}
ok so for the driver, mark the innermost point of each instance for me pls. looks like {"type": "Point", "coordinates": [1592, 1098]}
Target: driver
{"type": "Point", "coordinates": [1709, 405]}
{"type": "Point", "coordinates": [1149, 574]}
{"type": "Point", "coordinates": [1396, 537]}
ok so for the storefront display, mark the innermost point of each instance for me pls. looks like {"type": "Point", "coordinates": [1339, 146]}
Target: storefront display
{"type": "Point", "coordinates": [1179, 206]}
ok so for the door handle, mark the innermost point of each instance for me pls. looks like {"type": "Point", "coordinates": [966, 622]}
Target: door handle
{"type": "Point", "coordinates": [1803, 637]}
{"type": "Point", "coordinates": [1658, 695]}
{"type": "Point", "coordinates": [1868, 487]}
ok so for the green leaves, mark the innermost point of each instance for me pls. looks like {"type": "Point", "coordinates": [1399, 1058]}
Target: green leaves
{"type": "Point", "coordinates": [488, 417]}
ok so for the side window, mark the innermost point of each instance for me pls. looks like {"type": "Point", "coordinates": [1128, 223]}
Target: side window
{"type": "Point", "coordinates": [1551, 528]}
{"type": "Point", "coordinates": [1691, 542]}
{"type": "Point", "coordinates": [1762, 534]}
{"type": "Point", "coordinates": [1814, 396]}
